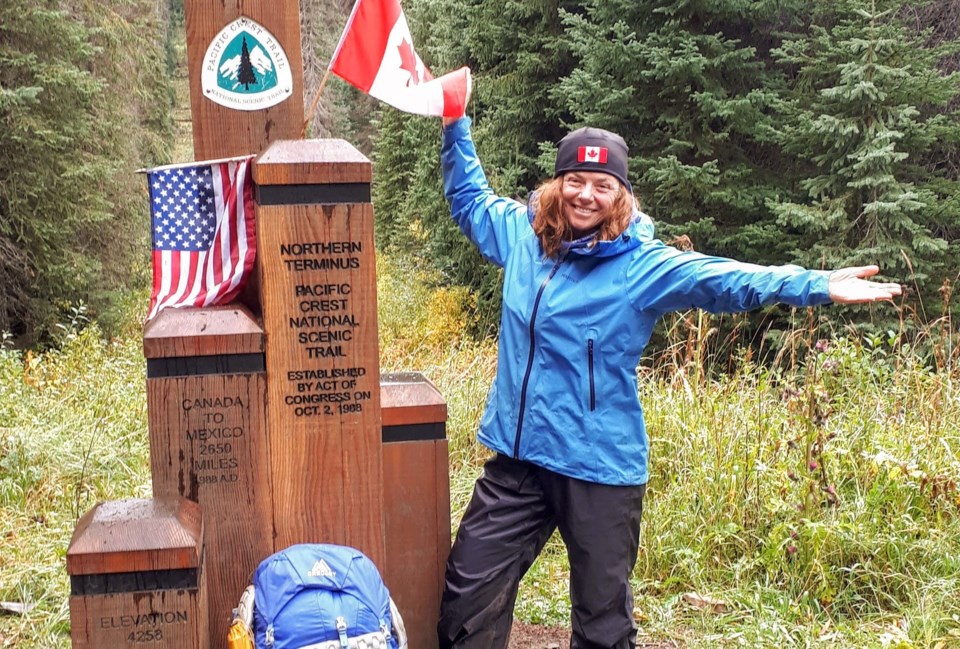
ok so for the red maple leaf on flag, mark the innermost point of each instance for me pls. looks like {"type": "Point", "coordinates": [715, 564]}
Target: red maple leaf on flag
{"type": "Point", "coordinates": [408, 62]}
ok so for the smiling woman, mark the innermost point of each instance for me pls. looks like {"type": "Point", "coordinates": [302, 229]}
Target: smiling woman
{"type": "Point", "coordinates": [584, 284]}
{"type": "Point", "coordinates": [589, 196]}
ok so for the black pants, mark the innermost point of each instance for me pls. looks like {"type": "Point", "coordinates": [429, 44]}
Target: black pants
{"type": "Point", "coordinates": [515, 508]}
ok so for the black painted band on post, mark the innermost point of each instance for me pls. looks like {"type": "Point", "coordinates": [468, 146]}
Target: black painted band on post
{"type": "Point", "coordinates": [414, 432]}
{"type": "Point", "coordinates": [158, 368]}
{"type": "Point", "coordinates": [313, 194]}
{"type": "Point", "coordinates": [132, 582]}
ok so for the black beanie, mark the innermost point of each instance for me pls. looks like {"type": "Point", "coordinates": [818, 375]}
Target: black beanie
{"type": "Point", "coordinates": [593, 149]}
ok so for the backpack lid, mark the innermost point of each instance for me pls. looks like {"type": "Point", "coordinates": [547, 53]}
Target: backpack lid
{"type": "Point", "coordinates": [282, 576]}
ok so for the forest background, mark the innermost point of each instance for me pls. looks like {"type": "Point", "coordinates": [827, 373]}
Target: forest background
{"type": "Point", "coordinates": [806, 462]}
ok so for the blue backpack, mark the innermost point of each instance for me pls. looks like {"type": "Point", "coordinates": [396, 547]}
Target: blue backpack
{"type": "Point", "coordinates": [319, 596]}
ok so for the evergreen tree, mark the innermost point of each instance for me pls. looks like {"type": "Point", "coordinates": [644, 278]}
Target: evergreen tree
{"type": "Point", "coordinates": [689, 87]}
{"type": "Point", "coordinates": [342, 110]}
{"type": "Point", "coordinates": [76, 125]}
{"type": "Point", "coordinates": [864, 111]}
{"type": "Point", "coordinates": [517, 53]}
{"type": "Point", "coordinates": [246, 75]}
{"type": "Point", "coordinates": [823, 150]}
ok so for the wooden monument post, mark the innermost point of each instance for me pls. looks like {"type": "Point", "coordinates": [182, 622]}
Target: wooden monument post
{"type": "Point", "coordinates": [319, 300]}
{"type": "Point", "coordinates": [269, 413]}
{"type": "Point", "coordinates": [246, 75]}
{"type": "Point", "coordinates": [206, 385]}
{"type": "Point", "coordinates": [416, 492]}
{"type": "Point", "coordinates": [206, 390]}
{"type": "Point", "coordinates": [136, 576]}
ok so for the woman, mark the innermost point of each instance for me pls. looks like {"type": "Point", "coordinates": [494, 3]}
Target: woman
{"type": "Point", "coordinates": [584, 284]}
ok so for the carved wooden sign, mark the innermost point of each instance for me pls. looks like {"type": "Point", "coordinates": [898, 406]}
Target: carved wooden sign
{"type": "Point", "coordinates": [318, 294]}
{"type": "Point", "coordinates": [206, 391]}
{"type": "Point", "coordinates": [136, 576]}
{"type": "Point", "coordinates": [246, 75]}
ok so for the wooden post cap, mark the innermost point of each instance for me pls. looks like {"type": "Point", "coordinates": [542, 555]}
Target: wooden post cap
{"type": "Point", "coordinates": [311, 162]}
{"type": "Point", "coordinates": [137, 535]}
{"type": "Point", "coordinates": [410, 398]}
{"type": "Point", "coordinates": [209, 331]}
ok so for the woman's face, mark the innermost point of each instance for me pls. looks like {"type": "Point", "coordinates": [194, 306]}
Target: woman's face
{"type": "Point", "coordinates": [588, 197]}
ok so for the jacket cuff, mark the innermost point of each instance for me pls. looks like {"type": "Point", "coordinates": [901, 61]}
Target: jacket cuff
{"type": "Point", "coordinates": [820, 287]}
{"type": "Point", "coordinates": [457, 130]}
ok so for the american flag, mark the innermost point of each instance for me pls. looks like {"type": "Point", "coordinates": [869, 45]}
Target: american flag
{"type": "Point", "coordinates": [204, 237]}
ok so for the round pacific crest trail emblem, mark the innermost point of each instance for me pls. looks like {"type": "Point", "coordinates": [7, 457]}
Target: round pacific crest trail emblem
{"type": "Point", "coordinates": [245, 67]}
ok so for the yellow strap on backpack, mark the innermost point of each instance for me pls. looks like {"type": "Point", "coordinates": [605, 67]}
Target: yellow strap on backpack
{"type": "Point", "coordinates": [241, 633]}
{"type": "Point", "coordinates": [239, 636]}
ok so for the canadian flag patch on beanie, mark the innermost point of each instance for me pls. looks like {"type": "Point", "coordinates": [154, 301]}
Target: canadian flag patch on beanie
{"type": "Point", "coordinates": [593, 149]}
{"type": "Point", "coordinates": [596, 154]}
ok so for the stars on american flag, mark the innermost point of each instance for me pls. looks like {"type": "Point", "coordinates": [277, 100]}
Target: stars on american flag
{"type": "Point", "coordinates": [184, 210]}
{"type": "Point", "coordinates": [204, 235]}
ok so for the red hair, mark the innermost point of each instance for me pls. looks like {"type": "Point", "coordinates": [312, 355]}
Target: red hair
{"type": "Point", "coordinates": [551, 226]}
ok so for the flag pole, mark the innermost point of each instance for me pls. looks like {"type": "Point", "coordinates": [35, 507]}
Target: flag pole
{"type": "Point", "coordinates": [313, 104]}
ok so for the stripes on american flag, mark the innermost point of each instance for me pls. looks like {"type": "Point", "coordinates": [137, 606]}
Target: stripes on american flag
{"type": "Point", "coordinates": [204, 235]}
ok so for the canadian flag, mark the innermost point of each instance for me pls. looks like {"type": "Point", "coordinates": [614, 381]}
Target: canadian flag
{"type": "Point", "coordinates": [376, 54]}
{"type": "Point", "coordinates": [596, 154]}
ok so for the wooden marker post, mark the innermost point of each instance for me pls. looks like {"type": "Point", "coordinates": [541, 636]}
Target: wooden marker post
{"type": "Point", "coordinates": [136, 576]}
{"type": "Point", "coordinates": [206, 388]}
{"type": "Point", "coordinates": [416, 489]}
{"type": "Point", "coordinates": [246, 75]}
{"type": "Point", "coordinates": [318, 293]}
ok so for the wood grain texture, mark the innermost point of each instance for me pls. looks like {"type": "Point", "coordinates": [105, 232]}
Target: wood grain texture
{"type": "Point", "coordinates": [208, 443]}
{"type": "Point", "coordinates": [311, 162]}
{"type": "Point", "coordinates": [136, 535]}
{"type": "Point", "coordinates": [410, 398]}
{"type": "Point", "coordinates": [417, 510]}
{"type": "Point", "coordinates": [209, 331]}
{"type": "Point", "coordinates": [166, 619]}
{"type": "Point", "coordinates": [318, 294]}
{"type": "Point", "coordinates": [220, 132]}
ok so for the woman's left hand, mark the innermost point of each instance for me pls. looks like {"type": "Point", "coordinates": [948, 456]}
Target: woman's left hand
{"type": "Point", "coordinates": [466, 100]}
{"type": "Point", "coordinates": [848, 286]}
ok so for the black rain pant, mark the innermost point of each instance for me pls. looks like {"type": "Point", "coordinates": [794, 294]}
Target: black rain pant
{"type": "Point", "coordinates": [515, 508]}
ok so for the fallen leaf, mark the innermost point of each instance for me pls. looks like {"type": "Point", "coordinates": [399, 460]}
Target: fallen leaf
{"type": "Point", "coordinates": [705, 603]}
{"type": "Point", "coordinates": [15, 607]}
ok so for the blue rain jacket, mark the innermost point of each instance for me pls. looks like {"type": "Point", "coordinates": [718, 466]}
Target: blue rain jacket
{"type": "Point", "coordinates": [573, 329]}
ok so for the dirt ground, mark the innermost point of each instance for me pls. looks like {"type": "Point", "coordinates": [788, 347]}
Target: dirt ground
{"type": "Point", "coordinates": [536, 636]}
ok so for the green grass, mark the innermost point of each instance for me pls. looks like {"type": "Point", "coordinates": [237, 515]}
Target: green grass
{"type": "Point", "coordinates": [816, 500]}
{"type": "Point", "coordinates": [72, 432]}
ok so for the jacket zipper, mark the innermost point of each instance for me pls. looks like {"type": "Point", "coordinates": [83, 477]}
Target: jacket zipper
{"type": "Point", "coordinates": [593, 392]}
{"type": "Point", "coordinates": [526, 376]}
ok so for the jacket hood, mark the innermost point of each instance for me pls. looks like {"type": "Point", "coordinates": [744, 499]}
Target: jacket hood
{"type": "Point", "coordinates": [639, 230]}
